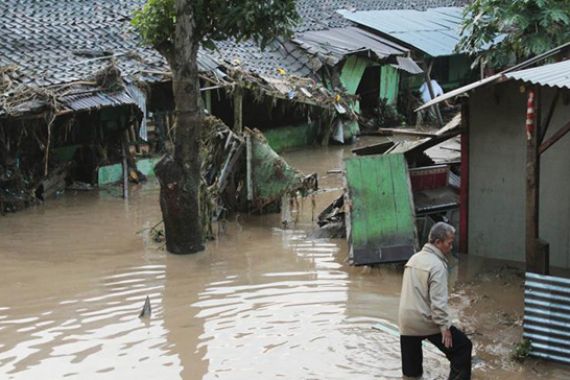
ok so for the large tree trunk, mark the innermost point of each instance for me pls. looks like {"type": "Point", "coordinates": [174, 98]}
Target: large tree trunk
{"type": "Point", "coordinates": [179, 176]}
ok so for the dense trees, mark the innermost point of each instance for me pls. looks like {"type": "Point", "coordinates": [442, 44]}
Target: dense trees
{"type": "Point", "coordinates": [529, 27]}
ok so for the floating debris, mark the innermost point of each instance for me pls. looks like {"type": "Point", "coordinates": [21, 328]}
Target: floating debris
{"type": "Point", "coordinates": [146, 310]}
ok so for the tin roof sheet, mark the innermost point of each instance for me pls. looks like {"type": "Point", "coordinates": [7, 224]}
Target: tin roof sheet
{"type": "Point", "coordinates": [435, 31]}
{"type": "Point", "coordinates": [338, 42]}
{"type": "Point", "coordinates": [551, 75]}
{"type": "Point", "coordinates": [96, 100]}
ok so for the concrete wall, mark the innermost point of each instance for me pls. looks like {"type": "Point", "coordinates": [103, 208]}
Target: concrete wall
{"type": "Point", "coordinates": [497, 176]}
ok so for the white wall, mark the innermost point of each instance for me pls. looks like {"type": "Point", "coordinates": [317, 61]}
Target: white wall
{"type": "Point", "coordinates": [497, 176]}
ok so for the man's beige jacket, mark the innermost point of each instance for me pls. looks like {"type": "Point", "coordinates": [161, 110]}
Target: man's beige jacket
{"type": "Point", "coordinates": [423, 303]}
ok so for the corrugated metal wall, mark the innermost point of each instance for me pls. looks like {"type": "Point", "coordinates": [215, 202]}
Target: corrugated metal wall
{"type": "Point", "coordinates": [547, 316]}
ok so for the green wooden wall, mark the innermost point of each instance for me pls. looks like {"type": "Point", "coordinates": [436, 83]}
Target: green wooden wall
{"type": "Point", "coordinates": [351, 75]}
{"type": "Point", "coordinates": [389, 83]}
{"type": "Point", "coordinates": [382, 217]}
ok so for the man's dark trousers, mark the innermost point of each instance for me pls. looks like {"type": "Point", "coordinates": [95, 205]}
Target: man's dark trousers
{"type": "Point", "coordinates": [459, 355]}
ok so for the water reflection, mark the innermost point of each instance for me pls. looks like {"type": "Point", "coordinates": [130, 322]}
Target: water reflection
{"type": "Point", "coordinates": [260, 303]}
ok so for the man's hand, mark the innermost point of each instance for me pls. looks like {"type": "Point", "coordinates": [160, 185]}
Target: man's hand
{"type": "Point", "coordinates": [446, 339]}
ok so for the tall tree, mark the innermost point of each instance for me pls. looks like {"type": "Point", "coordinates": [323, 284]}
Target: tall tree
{"type": "Point", "coordinates": [529, 27]}
{"type": "Point", "coordinates": [177, 28]}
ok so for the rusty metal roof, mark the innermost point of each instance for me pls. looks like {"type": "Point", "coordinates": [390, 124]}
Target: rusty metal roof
{"type": "Point", "coordinates": [551, 75]}
{"type": "Point", "coordinates": [84, 102]}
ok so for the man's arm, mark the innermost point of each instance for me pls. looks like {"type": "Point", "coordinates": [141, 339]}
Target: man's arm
{"type": "Point", "coordinates": [438, 303]}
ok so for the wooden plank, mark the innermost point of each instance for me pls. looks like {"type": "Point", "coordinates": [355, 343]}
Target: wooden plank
{"type": "Point", "coordinates": [554, 138]}
{"type": "Point", "coordinates": [354, 176]}
{"type": "Point", "coordinates": [381, 214]}
{"type": "Point", "coordinates": [379, 148]}
{"type": "Point", "coordinates": [238, 110]}
{"type": "Point", "coordinates": [402, 131]}
{"type": "Point", "coordinates": [403, 205]}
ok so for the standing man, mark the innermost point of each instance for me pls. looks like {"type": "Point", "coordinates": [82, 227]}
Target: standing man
{"type": "Point", "coordinates": [424, 312]}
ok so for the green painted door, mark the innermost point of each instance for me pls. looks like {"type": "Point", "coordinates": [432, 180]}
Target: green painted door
{"type": "Point", "coordinates": [389, 82]}
{"type": "Point", "coordinates": [381, 222]}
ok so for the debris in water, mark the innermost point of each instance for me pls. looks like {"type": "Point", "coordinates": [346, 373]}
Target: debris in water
{"type": "Point", "coordinates": [146, 310]}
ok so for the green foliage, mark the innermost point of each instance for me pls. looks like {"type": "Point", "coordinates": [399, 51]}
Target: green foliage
{"type": "Point", "coordinates": [260, 20]}
{"type": "Point", "coordinates": [155, 22]}
{"type": "Point", "coordinates": [521, 350]}
{"type": "Point", "coordinates": [530, 27]}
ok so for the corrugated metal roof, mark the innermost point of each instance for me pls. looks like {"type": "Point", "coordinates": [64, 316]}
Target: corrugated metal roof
{"type": "Point", "coordinates": [321, 14]}
{"type": "Point", "coordinates": [338, 42]}
{"type": "Point", "coordinates": [408, 64]}
{"type": "Point", "coordinates": [435, 31]}
{"type": "Point", "coordinates": [89, 101]}
{"type": "Point", "coordinates": [552, 75]}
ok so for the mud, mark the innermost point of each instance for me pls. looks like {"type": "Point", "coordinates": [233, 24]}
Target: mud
{"type": "Point", "coordinates": [260, 303]}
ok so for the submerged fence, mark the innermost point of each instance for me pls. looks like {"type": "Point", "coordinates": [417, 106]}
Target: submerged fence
{"type": "Point", "coordinates": [547, 316]}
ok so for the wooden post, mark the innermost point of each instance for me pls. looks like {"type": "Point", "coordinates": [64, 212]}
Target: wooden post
{"type": "Point", "coordinates": [249, 167]}
{"type": "Point", "coordinates": [464, 189]}
{"type": "Point", "coordinates": [536, 259]}
{"type": "Point", "coordinates": [435, 107]}
{"type": "Point", "coordinates": [125, 167]}
{"type": "Point", "coordinates": [238, 114]}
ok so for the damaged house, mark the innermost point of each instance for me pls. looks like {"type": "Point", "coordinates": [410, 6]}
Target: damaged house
{"type": "Point", "coordinates": [80, 96]}
{"type": "Point", "coordinates": [75, 90]}
{"type": "Point", "coordinates": [506, 200]}
{"type": "Point", "coordinates": [516, 178]}
{"type": "Point", "coordinates": [336, 58]}
{"type": "Point", "coordinates": [431, 35]}
{"type": "Point", "coordinates": [312, 87]}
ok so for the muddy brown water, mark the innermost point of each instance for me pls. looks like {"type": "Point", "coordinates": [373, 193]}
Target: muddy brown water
{"type": "Point", "coordinates": [260, 303]}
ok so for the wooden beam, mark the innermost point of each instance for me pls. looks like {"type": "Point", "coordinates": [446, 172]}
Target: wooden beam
{"type": "Point", "coordinates": [125, 166]}
{"type": "Point", "coordinates": [554, 138]}
{"type": "Point", "coordinates": [238, 110]}
{"type": "Point", "coordinates": [536, 259]}
{"type": "Point", "coordinates": [399, 131]}
{"type": "Point", "coordinates": [464, 188]}
{"type": "Point", "coordinates": [379, 148]}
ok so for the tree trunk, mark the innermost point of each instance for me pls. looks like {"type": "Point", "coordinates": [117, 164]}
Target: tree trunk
{"type": "Point", "coordinates": [179, 176]}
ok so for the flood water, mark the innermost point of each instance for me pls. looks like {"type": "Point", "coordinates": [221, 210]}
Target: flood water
{"type": "Point", "coordinates": [260, 303]}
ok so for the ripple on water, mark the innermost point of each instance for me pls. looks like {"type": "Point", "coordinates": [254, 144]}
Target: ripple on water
{"type": "Point", "coordinates": [104, 326]}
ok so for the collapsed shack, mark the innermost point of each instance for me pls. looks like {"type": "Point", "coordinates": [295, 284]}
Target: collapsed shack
{"type": "Point", "coordinates": [315, 87]}
{"type": "Point", "coordinates": [241, 173]}
{"type": "Point", "coordinates": [395, 192]}
{"type": "Point", "coordinates": [51, 137]}
{"type": "Point", "coordinates": [291, 111]}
